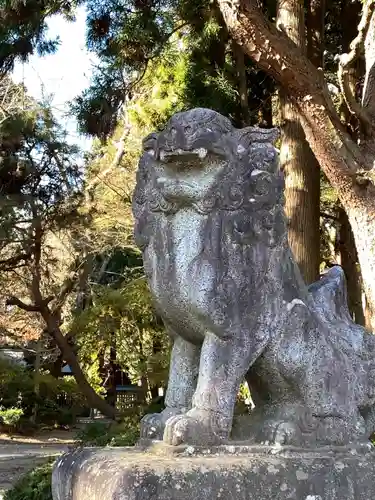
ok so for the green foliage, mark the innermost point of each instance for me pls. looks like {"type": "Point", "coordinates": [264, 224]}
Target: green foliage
{"type": "Point", "coordinates": [125, 433]}
{"type": "Point", "coordinates": [40, 181]}
{"type": "Point", "coordinates": [161, 92]}
{"type": "Point", "coordinates": [23, 28]}
{"type": "Point", "coordinates": [16, 385]}
{"type": "Point", "coordinates": [243, 400]}
{"type": "Point", "coordinates": [124, 317]}
{"type": "Point", "coordinates": [17, 395]}
{"type": "Point", "coordinates": [177, 50]}
{"type": "Point", "coordinates": [35, 485]}
{"type": "Point", "coordinates": [10, 416]}
{"type": "Point", "coordinates": [125, 36]}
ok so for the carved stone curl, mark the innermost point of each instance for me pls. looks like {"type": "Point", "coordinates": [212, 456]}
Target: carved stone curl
{"type": "Point", "coordinates": [209, 218]}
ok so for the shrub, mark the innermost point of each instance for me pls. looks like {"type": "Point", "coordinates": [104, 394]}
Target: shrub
{"type": "Point", "coordinates": [16, 386]}
{"type": "Point", "coordinates": [93, 434]}
{"type": "Point", "coordinates": [10, 417]}
{"type": "Point", "coordinates": [35, 485]}
{"type": "Point", "coordinates": [125, 433]}
{"type": "Point", "coordinates": [58, 401]}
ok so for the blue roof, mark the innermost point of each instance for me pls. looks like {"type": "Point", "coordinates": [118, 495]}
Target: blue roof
{"type": "Point", "coordinates": [127, 388]}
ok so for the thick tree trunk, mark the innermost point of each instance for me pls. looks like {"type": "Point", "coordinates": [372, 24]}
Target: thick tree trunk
{"type": "Point", "coordinates": [368, 101]}
{"type": "Point", "coordinates": [363, 226]}
{"type": "Point", "coordinates": [301, 170]}
{"type": "Point", "coordinates": [346, 244]}
{"type": "Point", "coordinates": [338, 155]}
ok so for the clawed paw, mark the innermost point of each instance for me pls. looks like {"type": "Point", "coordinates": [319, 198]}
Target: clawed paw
{"type": "Point", "coordinates": [281, 433]}
{"type": "Point", "coordinates": [196, 427]}
{"type": "Point", "coordinates": [153, 424]}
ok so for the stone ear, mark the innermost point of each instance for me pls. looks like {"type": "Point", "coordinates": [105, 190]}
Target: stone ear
{"type": "Point", "coordinates": [149, 142]}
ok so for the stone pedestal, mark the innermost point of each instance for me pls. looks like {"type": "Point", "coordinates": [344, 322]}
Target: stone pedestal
{"type": "Point", "coordinates": [230, 472]}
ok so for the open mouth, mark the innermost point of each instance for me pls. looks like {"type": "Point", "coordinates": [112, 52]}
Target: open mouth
{"type": "Point", "coordinates": [166, 156]}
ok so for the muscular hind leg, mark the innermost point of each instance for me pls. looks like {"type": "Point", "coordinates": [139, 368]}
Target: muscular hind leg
{"type": "Point", "coordinates": [183, 374]}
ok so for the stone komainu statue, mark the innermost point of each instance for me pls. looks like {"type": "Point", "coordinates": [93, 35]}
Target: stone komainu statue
{"type": "Point", "coordinates": [209, 219]}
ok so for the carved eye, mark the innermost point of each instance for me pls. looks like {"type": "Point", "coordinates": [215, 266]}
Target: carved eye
{"type": "Point", "coordinates": [262, 184]}
{"type": "Point", "coordinates": [187, 129]}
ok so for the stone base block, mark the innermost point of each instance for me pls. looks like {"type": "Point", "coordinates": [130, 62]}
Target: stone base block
{"type": "Point", "coordinates": [231, 472]}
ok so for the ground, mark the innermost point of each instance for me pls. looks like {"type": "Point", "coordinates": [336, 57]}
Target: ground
{"type": "Point", "coordinates": [19, 454]}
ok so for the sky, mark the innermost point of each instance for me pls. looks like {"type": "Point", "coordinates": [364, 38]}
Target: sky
{"type": "Point", "coordinates": [64, 74]}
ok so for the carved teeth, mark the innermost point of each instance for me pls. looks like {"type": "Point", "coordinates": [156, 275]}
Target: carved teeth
{"type": "Point", "coordinates": [201, 152]}
{"type": "Point", "coordinates": [256, 172]}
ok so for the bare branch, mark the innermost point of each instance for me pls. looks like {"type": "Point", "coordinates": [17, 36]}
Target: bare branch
{"type": "Point", "coordinates": [65, 289]}
{"type": "Point", "coordinates": [346, 62]}
{"type": "Point", "coordinates": [14, 301]}
{"type": "Point", "coordinates": [15, 261]}
{"type": "Point", "coordinates": [329, 216]}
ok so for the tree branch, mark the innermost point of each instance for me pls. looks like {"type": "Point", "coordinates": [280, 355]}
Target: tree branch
{"type": "Point", "coordinates": [338, 154]}
{"type": "Point", "coordinates": [15, 260]}
{"type": "Point", "coordinates": [15, 301]}
{"type": "Point", "coordinates": [346, 62]}
{"type": "Point", "coordinates": [65, 289]}
{"type": "Point", "coordinates": [328, 216]}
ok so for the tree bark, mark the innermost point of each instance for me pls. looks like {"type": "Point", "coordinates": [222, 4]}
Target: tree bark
{"type": "Point", "coordinates": [346, 244]}
{"type": "Point", "coordinates": [368, 100]}
{"type": "Point", "coordinates": [36, 378]}
{"type": "Point", "coordinates": [339, 156]}
{"type": "Point", "coordinates": [301, 170]}
{"type": "Point", "coordinates": [349, 263]}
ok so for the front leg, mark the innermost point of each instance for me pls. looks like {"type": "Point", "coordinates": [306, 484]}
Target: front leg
{"type": "Point", "coordinates": [223, 366]}
{"type": "Point", "coordinates": [183, 374]}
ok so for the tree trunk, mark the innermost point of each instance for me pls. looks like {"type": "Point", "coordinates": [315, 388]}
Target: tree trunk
{"type": "Point", "coordinates": [349, 263]}
{"type": "Point", "coordinates": [112, 367]}
{"type": "Point", "coordinates": [93, 399]}
{"type": "Point", "coordinates": [362, 221]}
{"type": "Point", "coordinates": [339, 156]}
{"type": "Point", "coordinates": [301, 170]}
{"type": "Point", "coordinates": [368, 316]}
{"type": "Point", "coordinates": [37, 378]}
{"type": "Point", "coordinates": [346, 244]}
{"type": "Point", "coordinates": [368, 101]}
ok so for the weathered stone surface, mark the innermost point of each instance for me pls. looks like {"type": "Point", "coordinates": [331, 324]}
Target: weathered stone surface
{"type": "Point", "coordinates": [232, 472]}
{"type": "Point", "coordinates": [208, 207]}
